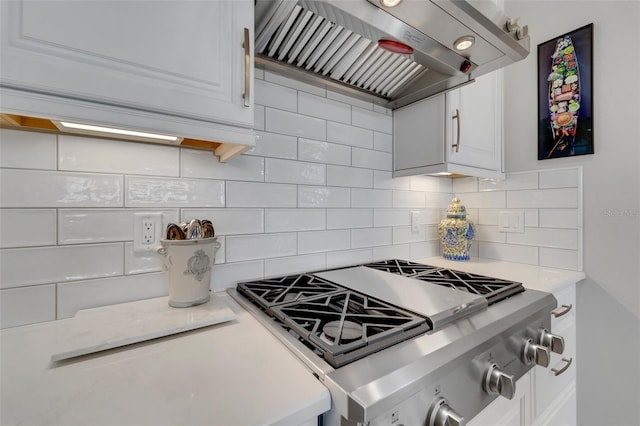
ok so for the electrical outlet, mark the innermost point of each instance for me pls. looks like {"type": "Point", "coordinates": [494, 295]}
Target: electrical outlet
{"type": "Point", "coordinates": [147, 231]}
{"type": "Point", "coordinates": [415, 225]}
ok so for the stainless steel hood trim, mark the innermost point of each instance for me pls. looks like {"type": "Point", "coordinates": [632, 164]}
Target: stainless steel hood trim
{"type": "Point", "coordinates": [337, 40]}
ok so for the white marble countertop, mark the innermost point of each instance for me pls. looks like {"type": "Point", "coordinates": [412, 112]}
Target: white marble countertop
{"type": "Point", "coordinates": [531, 276]}
{"type": "Point", "coordinates": [233, 373]}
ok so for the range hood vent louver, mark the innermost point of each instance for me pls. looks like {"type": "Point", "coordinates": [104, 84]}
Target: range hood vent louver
{"type": "Point", "coordinates": [313, 43]}
{"type": "Point", "coordinates": [335, 42]}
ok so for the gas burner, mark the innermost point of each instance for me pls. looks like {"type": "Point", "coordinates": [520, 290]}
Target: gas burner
{"type": "Point", "coordinates": [341, 331]}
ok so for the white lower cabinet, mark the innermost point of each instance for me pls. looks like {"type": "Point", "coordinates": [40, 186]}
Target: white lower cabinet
{"type": "Point", "coordinates": [555, 386]}
{"type": "Point", "coordinates": [544, 396]}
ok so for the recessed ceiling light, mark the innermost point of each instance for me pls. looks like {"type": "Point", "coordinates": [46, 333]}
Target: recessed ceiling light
{"type": "Point", "coordinates": [114, 132]}
{"type": "Point", "coordinates": [464, 42]}
{"type": "Point", "coordinates": [390, 3]}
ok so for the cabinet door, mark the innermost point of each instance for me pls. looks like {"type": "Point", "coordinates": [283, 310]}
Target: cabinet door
{"type": "Point", "coordinates": [474, 123]}
{"type": "Point", "coordinates": [505, 412]}
{"type": "Point", "coordinates": [418, 132]}
{"type": "Point", "coordinates": [555, 386]}
{"type": "Point", "coordinates": [179, 58]}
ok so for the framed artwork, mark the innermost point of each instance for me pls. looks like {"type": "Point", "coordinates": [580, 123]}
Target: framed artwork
{"type": "Point", "coordinates": [565, 95]}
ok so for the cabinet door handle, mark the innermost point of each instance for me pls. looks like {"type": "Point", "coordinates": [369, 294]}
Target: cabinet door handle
{"type": "Point", "coordinates": [568, 362]}
{"type": "Point", "coordinates": [457, 118]}
{"type": "Point", "coordinates": [247, 68]}
{"type": "Point", "coordinates": [565, 311]}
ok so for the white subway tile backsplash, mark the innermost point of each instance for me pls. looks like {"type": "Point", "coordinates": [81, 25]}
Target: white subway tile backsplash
{"type": "Point", "coordinates": [289, 123]}
{"type": "Point", "coordinates": [167, 192]}
{"type": "Point", "coordinates": [82, 226]}
{"type": "Point", "coordinates": [515, 181]}
{"type": "Point", "coordinates": [372, 120]}
{"type": "Point", "coordinates": [370, 237]}
{"type": "Point", "coordinates": [564, 178]}
{"type": "Point", "coordinates": [252, 194]}
{"type": "Point", "coordinates": [276, 96]}
{"type": "Point", "coordinates": [258, 117]}
{"type": "Point", "coordinates": [294, 84]}
{"type": "Point", "coordinates": [199, 164]}
{"type": "Point", "coordinates": [43, 265]}
{"type": "Point", "coordinates": [260, 246]}
{"type": "Point", "coordinates": [87, 154]}
{"type": "Point", "coordinates": [467, 184]}
{"type": "Point", "coordinates": [490, 233]}
{"type": "Point", "coordinates": [321, 107]}
{"type": "Point", "coordinates": [491, 216]}
{"type": "Point", "coordinates": [72, 297]}
{"type": "Point", "coordinates": [441, 200]}
{"type": "Point", "coordinates": [349, 218]}
{"type": "Point", "coordinates": [27, 150]}
{"type": "Point", "coordinates": [323, 196]}
{"type": "Point", "coordinates": [323, 241]}
{"type": "Point", "coordinates": [559, 258]}
{"type": "Point", "coordinates": [404, 234]}
{"type": "Point", "coordinates": [227, 275]}
{"type": "Point", "coordinates": [424, 249]}
{"type": "Point", "coordinates": [382, 110]}
{"type": "Point", "coordinates": [431, 184]}
{"type": "Point", "coordinates": [391, 217]}
{"type": "Point", "coordinates": [27, 227]}
{"type": "Point", "coordinates": [400, 251]}
{"type": "Point", "coordinates": [289, 220]}
{"type": "Point", "coordinates": [431, 233]}
{"type": "Point", "coordinates": [508, 252]}
{"type": "Point", "coordinates": [349, 135]}
{"type": "Point", "coordinates": [349, 176]}
{"type": "Point", "coordinates": [27, 305]}
{"type": "Point", "coordinates": [546, 237]}
{"type": "Point", "coordinates": [229, 221]}
{"type": "Point", "coordinates": [349, 100]}
{"type": "Point", "coordinates": [275, 145]}
{"type": "Point", "coordinates": [559, 218]}
{"type": "Point", "coordinates": [323, 152]}
{"type": "Point", "coordinates": [385, 180]}
{"type": "Point", "coordinates": [371, 159]}
{"type": "Point", "coordinates": [294, 264]}
{"type": "Point", "coordinates": [140, 263]}
{"type": "Point", "coordinates": [27, 188]}
{"type": "Point", "coordinates": [543, 198]}
{"type": "Point", "coordinates": [289, 171]}
{"type": "Point", "coordinates": [349, 257]}
{"type": "Point", "coordinates": [408, 199]}
{"type": "Point", "coordinates": [383, 142]}
{"type": "Point", "coordinates": [485, 200]}
{"type": "Point", "coordinates": [371, 198]}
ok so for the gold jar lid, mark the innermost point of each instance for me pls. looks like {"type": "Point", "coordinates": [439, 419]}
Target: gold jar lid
{"type": "Point", "coordinates": [455, 209]}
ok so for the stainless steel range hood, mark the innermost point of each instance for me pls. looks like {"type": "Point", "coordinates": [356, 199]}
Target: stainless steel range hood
{"type": "Point", "coordinates": [335, 43]}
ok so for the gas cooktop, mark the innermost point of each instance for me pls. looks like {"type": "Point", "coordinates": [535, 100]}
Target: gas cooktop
{"type": "Point", "coordinates": [344, 314]}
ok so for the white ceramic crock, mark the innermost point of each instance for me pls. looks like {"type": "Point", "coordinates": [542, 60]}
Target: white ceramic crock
{"type": "Point", "coordinates": [188, 264]}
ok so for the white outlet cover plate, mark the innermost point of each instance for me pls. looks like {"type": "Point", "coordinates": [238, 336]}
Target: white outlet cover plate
{"type": "Point", "coordinates": [138, 219]}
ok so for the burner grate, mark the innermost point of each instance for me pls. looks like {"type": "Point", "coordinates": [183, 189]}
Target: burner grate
{"type": "Point", "coordinates": [492, 289]}
{"type": "Point", "coordinates": [330, 322]}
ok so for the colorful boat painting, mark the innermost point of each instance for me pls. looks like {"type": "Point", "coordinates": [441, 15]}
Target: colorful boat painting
{"type": "Point", "coordinates": [564, 97]}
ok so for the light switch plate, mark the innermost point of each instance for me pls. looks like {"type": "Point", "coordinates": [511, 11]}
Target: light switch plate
{"type": "Point", "coordinates": [511, 221]}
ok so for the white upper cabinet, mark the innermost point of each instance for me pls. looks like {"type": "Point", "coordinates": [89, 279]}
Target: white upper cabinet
{"type": "Point", "coordinates": [458, 133]}
{"type": "Point", "coordinates": [179, 62]}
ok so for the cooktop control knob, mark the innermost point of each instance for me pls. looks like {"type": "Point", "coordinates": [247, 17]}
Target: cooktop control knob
{"type": "Point", "coordinates": [535, 354]}
{"type": "Point", "coordinates": [440, 414]}
{"type": "Point", "coordinates": [497, 381]}
{"type": "Point", "coordinates": [552, 341]}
